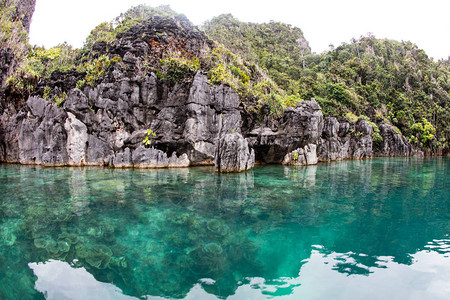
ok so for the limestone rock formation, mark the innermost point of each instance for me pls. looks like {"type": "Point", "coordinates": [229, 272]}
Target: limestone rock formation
{"type": "Point", "coordinates": [393, 143]}
{"type": "Point", "coordinates": [302, 156]}
{"type": "Point", "coordinates": [142, 157]}
{"type": "Point", "coordinates": [334, 143]}
{"type": "Point", "coordinates": [233, 154]}
{"type": "Point", "coordinates": [362, 143]}
{"type": "Point", "coordinates": [40, 133]}
{"type": "Point", "coordinates": [194, 122]}
{"type": "Point", "coordinates": [298, 127]}
{"type": "Point", "coordinates": [22, 13]}
{"type": "Point", "coordinates": [106, 124]}
{"type": "Point", "coordinates": [77, 138]}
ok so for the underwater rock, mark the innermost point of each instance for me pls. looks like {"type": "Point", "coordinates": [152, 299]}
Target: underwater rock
{"type": "Point", "coordinates": [99, 256]}
{"type": "Point", "coordinates": [63, 246]}
{"type": "Point", "coordinates": [212, 249]}
{"type": "Point", "coordinates": [119, 262]}
{"type": "Point", "coordinates": [81, 251]}
{"type": "Point", "coordinates": [207, 259]}
{"type": "Point", "coordinates": [217, 226]}
{"type": "Point", "coordinates": [52, 247]}
{"type": "Point", "coordinates": [69, 237]}
{"type": "Point", "coordinates": [40, 243]}
{"type": "Point", "coordinates": [8, 238]}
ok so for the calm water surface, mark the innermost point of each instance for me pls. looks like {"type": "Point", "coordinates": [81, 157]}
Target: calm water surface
{"type": "Point", "coordinates": [372, 229]}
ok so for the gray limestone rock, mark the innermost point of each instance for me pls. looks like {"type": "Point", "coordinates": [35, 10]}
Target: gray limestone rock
{"type": "Point", "coordinates": [302, 156]}
{"type": "Point", "coordinates": [121, 160]}
{"type": "Point", "coordinates": [304, 123]}
{"type": "Point", "coordinates": [178, 162]}
{"type": "Point", "coordinates": [362, 143]}
{"type": "Point", "coordinates": [298, 127]}
{"type": "Point", "coordinates": [195, 123]}
{"type": "Point", "coordinates": [42, 138]}
{"type": "Point", "coordinates": [153, 158]}
{"type": "Point", "coordinates": [77, 138]}
{"type": "Point", "coordinates": [97, 151]}
{"type": "Point", "coordinates": [295, 158]}
{"type": "Point", "coordinates": [393, 143]}
{"type": "Point", "coordinates": [233, 154]}
{"type": "Point", "coordinates": [330, 145]}
{"type": "Point", "coordinates": [149, 158]}
{"type": "Point", "coordinates": [311, 154]}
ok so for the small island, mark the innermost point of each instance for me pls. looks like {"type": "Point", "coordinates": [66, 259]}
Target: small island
{"type": "Point", "coordinates": [151, 90]}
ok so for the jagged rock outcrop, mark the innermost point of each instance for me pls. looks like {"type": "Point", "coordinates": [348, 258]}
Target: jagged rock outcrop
{"type": "Point", "coordinates": [342, 140]}
{"type": "Point", "coordinates": [193, 122]}
{"type": "Point", "coordinates": [361, 145]}
{"type": "Point", "coordinates": [24, 12]}
{"type": "Point", "coordinates": [155, 36]}
{"type": "Point", "coordinates": [106, 125]}
{"type": "Point", "coordinates": [7, 63]}
{"type": "Point", "coordinates": [298, 127]}
{"type": "Point", "coordinates": [77, 138]}
{"type": "Point", "coordinates": [334, 143]}
{"type": "Point", "coordinates": [303, 132]}
{"type": "Point", "coordinates": [36, 135]}
{"type": "Point", "coordinates": [394, 144]}
{"type": "Point", "coordinates": [302, 156]}
{"type": "Point", "coordinates": [233, 154]}
{"type": "Point", "coordinates": [12, 45]}
{"type": "Point", "coordinates": [142, 157]}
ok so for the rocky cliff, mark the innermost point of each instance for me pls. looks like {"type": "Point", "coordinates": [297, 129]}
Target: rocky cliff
{"type": "Point", "coordinates": [195, 124]}
{"type": "Point", "coordinates": [24, 12]}
{"type": "Point", "coordinates": [16, 17]}
{"type": "Point", "coordinates": [187, 123]}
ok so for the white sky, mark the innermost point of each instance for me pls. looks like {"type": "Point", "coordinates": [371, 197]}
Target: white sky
{"type": "Point", "coordinates": [426, 22]}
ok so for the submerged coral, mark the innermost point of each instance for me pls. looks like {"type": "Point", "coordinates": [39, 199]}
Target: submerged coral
{"type": "Point", "coordinates": [99, 256]}
{"type": "Point", "coordinates": [226, 230]}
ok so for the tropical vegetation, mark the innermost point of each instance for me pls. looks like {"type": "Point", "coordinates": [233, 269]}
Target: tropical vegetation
{"type": "Point", "coordinates": [383, 81]}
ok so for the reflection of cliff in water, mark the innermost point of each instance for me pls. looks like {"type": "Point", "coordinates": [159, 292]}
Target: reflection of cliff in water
{"type": "Point", "coordinates": [158, 232]}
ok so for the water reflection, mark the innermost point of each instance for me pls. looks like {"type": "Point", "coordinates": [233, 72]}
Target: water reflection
{"type": "Point", "coordinates": [58, 280]}
{"type": "Point", "coordinates": [188, 233]}
{"type": "Point", "coordinates": [426, 278]}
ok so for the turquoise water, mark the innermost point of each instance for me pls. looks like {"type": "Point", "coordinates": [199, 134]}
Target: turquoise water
{"type": "Point", "coordinates": [371, 229]}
